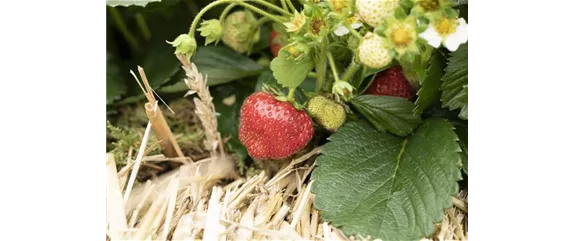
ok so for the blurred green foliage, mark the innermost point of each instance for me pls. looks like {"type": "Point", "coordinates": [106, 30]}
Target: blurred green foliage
{"type": "Point", "coordinates": [137, 35]}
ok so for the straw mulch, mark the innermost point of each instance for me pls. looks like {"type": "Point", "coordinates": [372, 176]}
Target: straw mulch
{"type": "Point", "coordinates": [182, 205]}
{"type": "Point", "coordinates": [207, 200]}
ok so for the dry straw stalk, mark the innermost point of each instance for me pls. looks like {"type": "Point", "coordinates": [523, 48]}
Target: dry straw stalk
{"type": "Point", "coordinates": [169, 145]}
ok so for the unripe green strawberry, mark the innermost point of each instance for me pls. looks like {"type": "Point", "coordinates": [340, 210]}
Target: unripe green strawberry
{"type": "Point", "coordinates": [374, 51]}
{"type": "Point", "coordinates": [374, 12]}
{"type": "Point", "coordinates": [273, 129]}
{"type": "Point", "coordinates": [238, 31]}
{"type": "Point", "coordinates": [328, 113]}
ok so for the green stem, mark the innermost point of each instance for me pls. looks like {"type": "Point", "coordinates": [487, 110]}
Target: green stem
{"type": "Point", "coordinates": [218, 2]}
{"type": "Point", "coordinates": [225, 12]}
{"type": "Point", "coordinates": [312, 75]}
{"type": "Point", "coordinates": [321, 67]}
{"type": "Point", "coordinates": [259, 11]}
{"type": "Point", "coordinates": [329, 84]}
{"type": "Point", "coordinates": [132, 41]}
{"type": "Point", "coordinates": [293, 9]}
{"type": "Point", "coordinates": [333, 67]}
{"type": "Point", "coordinates": [353, 67]}
{"type": "Point", "coordinates": [143, 26]}
{"type": "Point", "coordinates": [291, 94]}
{"type": "Point", "coordinates": [203, 11]}
{"type": "Point", "coordinates": [353, 31]}
{"type": "Point", "coordinates": [273, 7]}
{"type": "Point", "coordinates": [284, 5]}
{"type": "Point", "coordinates": [261, 21]}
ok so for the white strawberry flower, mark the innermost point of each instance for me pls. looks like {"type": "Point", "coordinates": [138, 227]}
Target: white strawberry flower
{"type": "Point", "coordinates": [353, 22]}
{"type": "Point", "coordinates": [450, 33]}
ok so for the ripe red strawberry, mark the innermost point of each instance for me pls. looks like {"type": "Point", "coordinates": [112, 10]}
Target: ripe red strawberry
{"type": "Point", "coordinates": [391, 82]}
{"type": "Point", "coordinates": [272, 129]}
{"type": "Point", "coordinates": [275, 43]}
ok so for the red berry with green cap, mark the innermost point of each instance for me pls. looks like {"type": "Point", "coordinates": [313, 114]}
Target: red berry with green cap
{"type": "Point", "coordinates": [273, 129]}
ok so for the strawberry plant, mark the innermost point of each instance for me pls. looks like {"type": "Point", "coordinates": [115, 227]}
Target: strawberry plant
{"type": "Point", "coordinates": [380, 86]}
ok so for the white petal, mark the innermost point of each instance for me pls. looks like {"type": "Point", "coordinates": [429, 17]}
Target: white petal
{"type": "Point", "coordinates": [431, 36]}
{"type": "Point", "coordinates": [463, 28]}
{"type": "Point", "coordinates": [356, 25]}
{"type": "Point", "coordinates": [341, 30]}
{"type": "Point", "coordinates": [457, 38]}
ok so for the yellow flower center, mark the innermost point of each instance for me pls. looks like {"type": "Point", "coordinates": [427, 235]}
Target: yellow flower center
{"type": "Point", "coordinates": [429, 5]}
{"type": "Point", "coordinates": [350, 20]}
{"type": "Point", "coordinates": [294, 51]}
{"type": "Point", "coordinates": [446, 26]}
{"type": "Point", "coordinates": [401, 36]}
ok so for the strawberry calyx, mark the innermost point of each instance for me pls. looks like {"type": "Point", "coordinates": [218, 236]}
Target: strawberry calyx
{"type": "Point", "coordinates": [280, 96]}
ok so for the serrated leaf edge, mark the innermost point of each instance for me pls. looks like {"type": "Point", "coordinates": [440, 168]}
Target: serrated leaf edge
{"type": "Point", "coordinates": [124, 3]}
{"type": "Point", "coordinates": [443, 103]}
{"type": "Point", "coordinates": [417, 109]}
{"type": "Point", "coordinates": [458, 150]}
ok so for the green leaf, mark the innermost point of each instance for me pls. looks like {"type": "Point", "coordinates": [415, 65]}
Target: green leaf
{"type": "Point", "coordinates": [376, 184]}
{"type": "Point", "coordinates": [228, 121]}
{"type": "Point", "coordinates": [308, 84]}
{"type": "Point", "coordinates": [463, 97]}
{"type": "Point", "coordinates": [462, 132]}
{"type": "Point", "coordinates": [220, 64]}
{"type": "Point", "coordinates": [400, 13]}
{"type": "Point", "coordinates": [464, 113]}
{"type": "Point", "coordinates": [406, 4]}
{"type": "Point", "coordinates": [127, 3]}
{"type": "Point", "coordinates": [454, 80]}
{"type": "Point", "coordinates": [223, 65]}
{"type": "Point", "coordinates": [388, 113]}
{"type": "Point", "coordinates": [429, 93]}
{"type": "Point", "coordinates": [115, 85]}
{"type": "Point", "coordinates": [179, 86]}
{"type": "Point", "coordinates": [265, 78]}
{"type": "Point", "coordinates": [291, 73]}
{"type": "Point", "coordinates": [165, 9]}
{"type": "Point", "coordinates": [165, 20]}
{"type": "Point", "coordinates": [159, 64]}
